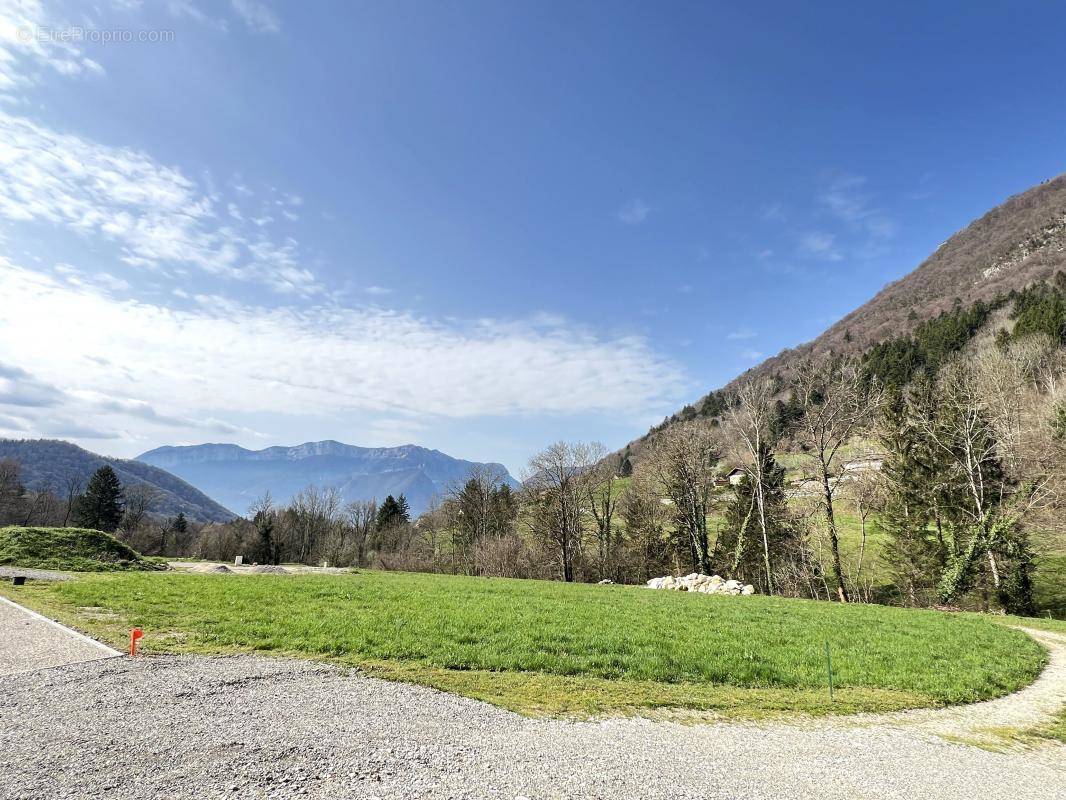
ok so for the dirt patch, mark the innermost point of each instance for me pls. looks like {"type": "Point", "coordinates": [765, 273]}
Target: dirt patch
{"type": "Point", "coordinates": [219, 569]}
{"type": "Point", "coordinates": [269, 569]}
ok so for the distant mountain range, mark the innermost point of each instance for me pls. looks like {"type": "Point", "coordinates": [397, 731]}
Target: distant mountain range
{"type": "Point", "coordinates": [50, 463]}
{"type": "Point", "coordinates": [236, 476]}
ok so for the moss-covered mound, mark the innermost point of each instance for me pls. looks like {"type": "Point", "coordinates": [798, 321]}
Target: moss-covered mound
{"type": "Point", "coordinates": [76, 549]}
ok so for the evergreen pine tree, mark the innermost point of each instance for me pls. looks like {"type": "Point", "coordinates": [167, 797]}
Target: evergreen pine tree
{"type": "Point", "coordinates": [504, 510]}
{"type": "Point", "coordinates": [389, 513]}
{"type": "Point", "coordinates": [101, 507]}
{"type": "Point", "coordinates": [403, 515]}
{"type": "Point", "coordinates": [180, 525]}
{"type": "Point", "coordinates": [909, 517]}
{"type": "Point", "coordinates": [265, 521]}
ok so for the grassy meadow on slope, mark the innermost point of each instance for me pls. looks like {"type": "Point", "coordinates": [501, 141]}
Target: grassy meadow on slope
{"type": "Point", "coordinates": [77, 549]}
{"type": "Point", "coordinates": [547, 647]}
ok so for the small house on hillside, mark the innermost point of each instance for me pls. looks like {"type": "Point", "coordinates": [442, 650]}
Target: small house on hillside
{"type": "Point", "coordinates": [734, 476]}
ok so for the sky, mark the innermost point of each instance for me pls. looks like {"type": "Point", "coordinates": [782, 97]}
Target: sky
{"type": "Point", "coordinates": [479, 227]}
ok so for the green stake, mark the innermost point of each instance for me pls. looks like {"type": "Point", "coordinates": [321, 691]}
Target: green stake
{"type": "Point", "coordinates": [829, 666]}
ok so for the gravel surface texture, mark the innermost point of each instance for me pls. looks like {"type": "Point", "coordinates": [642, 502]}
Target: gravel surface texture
{"type": "Point", "coordinates": [1032, 706]}
{"type": "Point", "coordinates": [29, 643]}
{"type": "Point", "coordinates": [252, 727]}
{"type": "Point", "coordinates": [34, 574]}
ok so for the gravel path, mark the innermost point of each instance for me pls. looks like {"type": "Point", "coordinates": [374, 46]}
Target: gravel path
{"type": "Point", "coordinates": [250, 727]}
{"type": "Point", "coordinates": [1032, 706]}
{"type": "Point", "coordinates": [30, 642]}
{"type": "Point", "coordinates": [34, 574]}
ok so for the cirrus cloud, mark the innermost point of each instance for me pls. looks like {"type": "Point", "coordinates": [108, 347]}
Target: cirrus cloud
{"type": "Point", "coordinates": [156, 215]}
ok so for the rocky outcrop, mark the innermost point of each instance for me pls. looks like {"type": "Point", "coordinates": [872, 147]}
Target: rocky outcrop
{"type": "Point", "coordinates": [1049, 239]}
{"type": "Point", "coordinates": [704, 584]}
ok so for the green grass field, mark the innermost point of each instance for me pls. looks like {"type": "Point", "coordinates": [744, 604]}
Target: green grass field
{"type": "Point", "coordinates": [552, 648]}
{"type": "Point", "coordinates": [76, 549]}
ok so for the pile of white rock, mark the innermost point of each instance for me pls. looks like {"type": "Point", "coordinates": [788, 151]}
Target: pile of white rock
{"type": "Point", "coordinates": [704, 584]}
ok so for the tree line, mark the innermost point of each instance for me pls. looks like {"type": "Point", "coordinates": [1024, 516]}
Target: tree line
{"type": "Point", "coordinates": [968, 425]}
{"type": "Point", "coordinates": [101, 503]}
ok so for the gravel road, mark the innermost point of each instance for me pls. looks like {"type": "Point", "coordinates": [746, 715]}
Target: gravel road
{"type": "Point", "coordinates": [30, 642]}
{"type": "Point", "coordinates": [251, 727]}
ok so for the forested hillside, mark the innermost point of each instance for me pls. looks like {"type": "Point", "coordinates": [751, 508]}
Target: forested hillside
{"type": "Point", "coordinates": [64, 468]}
{"type": "Point", "coordinates": [1016, 244]}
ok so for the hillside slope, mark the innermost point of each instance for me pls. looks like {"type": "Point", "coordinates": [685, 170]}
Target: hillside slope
{"type": "Point", "coordinates": [1014, 245]}
{"type": "Point", "coordinates": [50, 463]}
{"type": "Point", "coordinates": [236, 476]}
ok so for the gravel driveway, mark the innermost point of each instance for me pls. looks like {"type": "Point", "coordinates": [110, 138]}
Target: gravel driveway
{"type": "Point", "coordinates": [250, 727]}
{"type": "Point", "coordinates": [29, 642]}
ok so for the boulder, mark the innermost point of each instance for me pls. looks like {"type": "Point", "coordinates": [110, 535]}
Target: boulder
{"type": "Point", "coordinates": [702, 584]}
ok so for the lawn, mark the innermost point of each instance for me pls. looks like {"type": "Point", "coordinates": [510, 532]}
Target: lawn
{"type": "Point", "coordinates": [77, 549]}
{"type": "Point", "coordinates": [543, 647]}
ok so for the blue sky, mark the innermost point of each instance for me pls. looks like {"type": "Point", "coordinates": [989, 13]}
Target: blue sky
{"type": "Point", "coordinates": [480, 227]}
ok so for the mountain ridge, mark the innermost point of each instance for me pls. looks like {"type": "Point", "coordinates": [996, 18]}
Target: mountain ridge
{"type": "Point", "coordinates": [237, 475]}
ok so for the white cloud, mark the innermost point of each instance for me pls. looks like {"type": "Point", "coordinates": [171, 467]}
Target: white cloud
{"type": "Point", "coordinates": [112, 282]}
{"type": "Point", "coordinates": [846, 198]}
{"type": "Point", "coordinates": [33, 405]}
{"type": "Point", "coordinates": [820, 244]}
{"type": "Point", "coordinates": [155, 214]}
{"type": "Point", "coordinates": [377, 291]}
{"type": "Point", "coordinates": [240, 187]}
{"type": "Point", "coordinates": [256, 16]}
{"type": "Point", "coordinates": [634, 212]}
{"type": "Point", "coordinates": [322, 360]}
{"type": "Point", "coordinates": [30, 45]}
{"type": "Point", "coordinates": [743, 333]}
{"type": "Point", "coordinates": [749, 354]}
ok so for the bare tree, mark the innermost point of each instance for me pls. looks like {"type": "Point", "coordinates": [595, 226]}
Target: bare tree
{"type": "Point", "coordinates": [752, 419]}
{"type": "Point", "coordinates": [312, 515]}
{"type": "Point", "coordinates": [684, 462]}
{"type": "Point", "coordinates": [74, 485]}
{"type": "Point", "coordinates": [11, 491]}
{"type": "Point", "coordinates": [865, 490]}
{"type": "Point", "coordinates": [140, 499]}
{"type": "Point", "coordinates": [40, 506]}
{"type": "Point", "coordinates": [473, 508]}
{"type": "Point", "coordinates": [359, 515]}
{"type": "Point", "coordinates": [555, 490]}
{"type": "Point", "coordinates": [601, 498]}
{"type": "Point", "coordinates": [838, 403]}
{"type": "Point", "coordinates": [977, 433]}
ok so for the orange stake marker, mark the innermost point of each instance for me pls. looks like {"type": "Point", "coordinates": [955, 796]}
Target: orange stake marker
{"type": "Point", "coordinates": [135, 636]}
